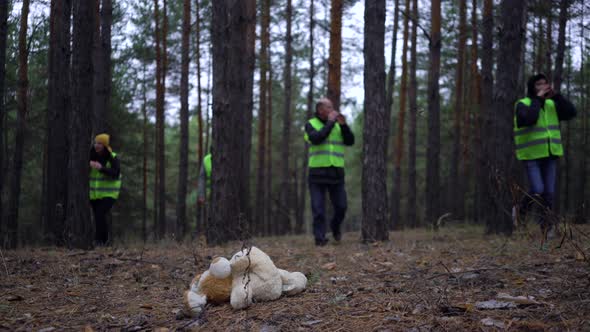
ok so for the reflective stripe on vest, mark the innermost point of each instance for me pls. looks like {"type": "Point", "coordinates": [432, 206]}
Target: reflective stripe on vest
{"type": "Point", "coordinates": [331, 151]}
{"type": "Point", "coordinates": [207, 165]}
{"type": "Point", "coordinates": [541, 140]}
{"type": "Point", "coordinates": [103, 186]}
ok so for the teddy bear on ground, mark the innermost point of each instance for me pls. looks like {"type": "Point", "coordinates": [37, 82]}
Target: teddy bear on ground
{"type": "Point", "coordinates": [249, 276]}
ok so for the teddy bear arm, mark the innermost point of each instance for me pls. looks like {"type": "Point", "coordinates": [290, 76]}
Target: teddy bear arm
{"type": "Point", "coordinates": [241, 296]}
{"type": "Point", "coordinates": [293, 282]}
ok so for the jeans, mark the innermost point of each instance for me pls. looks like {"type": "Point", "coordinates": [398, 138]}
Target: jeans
{"type": "Point", "coordinates": [318, 208]}
{"type": "Point", "coordinates": [541, 174]}
{"type": "Point", "coordinates": [100, 208]}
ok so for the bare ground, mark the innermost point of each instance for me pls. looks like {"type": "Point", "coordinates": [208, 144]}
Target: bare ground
{"type": "Point", "coordinates": [417, 282]}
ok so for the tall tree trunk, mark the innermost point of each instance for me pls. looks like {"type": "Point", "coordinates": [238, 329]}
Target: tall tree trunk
{"type": "Point", "coordinates": [200, 152]}
{"type": "Point", "coordinates": [563, 16]}
{"type": "Point", "coordinates": [102, 61]}
{"type": "Point", "coordinates": [581, 199]}
{"type": "Point", "coordinates": [97, 102]}
{"type": "Point", "coordinates": [399, 138]}
{"type": "Point", "coordinates": [261, 200]}
{"type": "Point", "coordinates": [335, 59]}
{"type": "Point", "coordinates": [472, 137]}
{"type": "Point", "coordinates": [145, 152]}
{"type": "Point", "coordinates": [271, 226]}
{"type": "Point", "coordinates": [232, 67]}
{"type": "Point", "coordinates": [433, 147]}
{"type": "Point", "coordinates": [79, 230]}
{"type": "Point", "coordinates": [389, 94]}
{"type": "Point", "coordinates": [549, 43]}
{"type": "Point", "coordinates": [376, 127]}
{"type": "Point", "coordinates": [456, 190]}
{"type": "Point", "coordinates": [500, 152]}
{"type": "Point", "coordinates": [160, 183]}
{"type": "Point", "coordinates": [300, 222]}
{"type": "Point", "coordinates": [183, 153]}
{"type": "Point", "coordinates": [3, 38]}
{"type": "Point", "coordinates": [411, 218]}
{"type": "Point", "coordinates": [58, 110]}
{"type": "Point", "coordinates": [286, 189]}
{"type": "Point", "coordinates": [21, 99]}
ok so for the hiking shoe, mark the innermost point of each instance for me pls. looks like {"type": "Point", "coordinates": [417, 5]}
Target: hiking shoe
{"type": "Point", "coordinates": [321, 242]}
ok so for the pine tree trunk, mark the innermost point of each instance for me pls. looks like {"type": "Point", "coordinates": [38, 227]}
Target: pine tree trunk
{"type": "Point", "coordinates": [3, 38]}
{"type": "Point", "coordinates": [97, 102]}
{"type": "Point", "coordinates": [549, 44]}
{"type": "Point", "coordinates": [232, 69]}
{"type": "Point", "coordinates": [563, 16]}
{"type": "Point", "coordinates": [456, 190]}
{"type": "Point", "coordinates": [300, 222]}
{"type": "Point", "coordinates": [433, 147]}
{"type": "Point", "coordinates": [200, 152]}
{"type": "Point", "coordinates": [78, 228]}
{"type": "Point", "coordinates": [58, 110]}
{"type": "Point", "coordinates": [500, 161]}
{"type": "Point", "coordinates": [271, 226]}
{"type": "Point", "coordinates": [411, 218]}
{"type": "Point", "coordinates": [581, 192]}
{"type": "Point", "coordinates": [21, 99]}
{"type": "Point", "coordinates": [335, 58]}
{"type": "Point", "coordinates": [399, 138]}
{"type": "Point", "coordinates": [261, 200]}
{"type": "Point", "coordinates": [145, 153]}
{"type": "Point", "coordinates": [286, 188]}
{"type": "Point", "coordinates": [376, 127]}
{"type": "Point", "coordinates": [184, 135]}
{"type": "Point", "coordinates": [472, 138]}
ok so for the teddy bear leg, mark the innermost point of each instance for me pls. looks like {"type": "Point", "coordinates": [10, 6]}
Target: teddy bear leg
{"type": "Point", "coordinates": [194, 303]}
{"type": "Point", "coordinates": [241, 296]}
{"type": "Point", "coordinates": [293, 282]}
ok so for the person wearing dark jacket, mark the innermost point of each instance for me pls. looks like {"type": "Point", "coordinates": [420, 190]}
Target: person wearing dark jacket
{"type": "Point", "coordinates": [105, 184]}
{"type": "Point", "coordinates": [328, 134]}
{"type": "Point", "coordinates": [538, 143]}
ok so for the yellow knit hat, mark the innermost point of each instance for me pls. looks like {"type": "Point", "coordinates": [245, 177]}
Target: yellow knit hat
{"type": "Point", "coordinates": [104, 139]}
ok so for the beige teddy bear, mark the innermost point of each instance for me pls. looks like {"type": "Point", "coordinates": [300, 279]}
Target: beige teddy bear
{"type": "Point", "coordinates": [253, 275]}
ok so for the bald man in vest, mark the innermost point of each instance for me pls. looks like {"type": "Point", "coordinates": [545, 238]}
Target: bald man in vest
{"type": "Point", "coordinates": [328, 134]}
{"type": "Point", "coordinates": [538, 143]}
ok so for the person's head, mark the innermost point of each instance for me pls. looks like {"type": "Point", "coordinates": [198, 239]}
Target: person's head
{"type": "Point", "coordinates": [102, 144]}
{"type": "Point", "coordinates": [536, 83]}
{"type": "Point", "coordinates": [323, 107]}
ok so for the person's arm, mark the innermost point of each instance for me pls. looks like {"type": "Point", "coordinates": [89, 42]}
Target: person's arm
{"type": "Point", "coordinates": [112, 171]}
{"type": "Point", "coordinates": [564, 108]}
{"type": "Point", "coordinates": [528, 115]}
{"type": "Point", "coordinates": [201, 184]}
{"type": "Point", "coordinates": [318, 136]}
{"type": "Point", "coordinates": [347, 135]}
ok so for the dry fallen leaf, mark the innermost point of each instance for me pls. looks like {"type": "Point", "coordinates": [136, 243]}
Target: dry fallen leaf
{"type": "Point", "coordinates": [329, 266]}
{"type": "Point", "coordinates": [579, 256]}
{"type": "Point", "coordinates": [146, 306]}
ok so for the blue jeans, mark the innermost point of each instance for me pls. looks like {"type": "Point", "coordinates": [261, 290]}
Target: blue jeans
{"type": "Point", "coordinates": [541, 174]}
{"type": "Point", "coordinates": [318, 208]}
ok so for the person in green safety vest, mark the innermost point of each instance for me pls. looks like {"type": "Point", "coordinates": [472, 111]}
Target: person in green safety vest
{"type": "Point", "coordinates": [537, 139]}
{"type": "Point", "coordinates": [328, 134]}
{"type": "Point", "coordinates": [105, 184]}
{"type": "Point", "coordinates": [204, 181]}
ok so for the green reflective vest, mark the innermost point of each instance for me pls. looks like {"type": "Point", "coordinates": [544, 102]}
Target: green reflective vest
{"type": "Point", "coordinates": [541, 140]}
{"type": "Point", "coordinates": [102, 186]}
{"type": "Point", "coordinates": [331, 151]}
{"type": "Point", "coordinates": [207, 165]}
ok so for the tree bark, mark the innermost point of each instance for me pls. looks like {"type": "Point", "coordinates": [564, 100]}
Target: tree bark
{"type": "Point", "coordinates": [232, 68]}
{"type": "Point", "coordinates": [200, 152]}
{"type": "Point", "coordinates": [472, 136]}
{"type": "Point", "coordinates": [286, 189]}
{"type": "Point", "coordinates": [58, 110]}
{"type": "Point", "coordinates": [500, 165]}
{"type": "Point", "coordinates": [433, 147]}
{"type": "Point", "coordinates": [184, 134]}
{"type": "Point", "coordinates": [261, 200]}
{"type": "Point", "coordinates": [145, 156]}
{"type": "Point", "coordinates": [21, 99]}
{"type": "Point", "coordinates": [456, 190]}
{"type": "Point", "coordinates": [563, 16]}
{"type": "Point", "coordinates": [160, 183]}
{"type": "Point", "coordinates": [300, 222]}
{"type": "Point", "coordinates": [411, 218]}
{"type": "Point", "coordinates": [399, 141]}
{"type": "Point", "coordinates": [79, 230]}
{"type": "Point", "coordinates": [376, 127]}
{"type": "Point", "coordinates": [3, 38]}
{"type": "Point", "coordinates": [270, 226]}
{"type": "Point", "coordinates": [335, 58]}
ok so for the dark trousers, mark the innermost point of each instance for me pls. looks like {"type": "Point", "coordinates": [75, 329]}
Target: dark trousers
{"type": "Point", "coordinates": [101, 208]}
{"type": "Point", "coordinates": [318, 208]}
{"type": "Point", "coordinates": [541, 174]}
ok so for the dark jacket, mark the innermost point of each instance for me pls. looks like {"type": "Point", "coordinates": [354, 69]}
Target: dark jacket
{"type": "Point", "coordinates": [112, 171]}
{"type": "Point", "coordinates": [327, 175]}
{"type": "Point", "coordinates": [528, 115]}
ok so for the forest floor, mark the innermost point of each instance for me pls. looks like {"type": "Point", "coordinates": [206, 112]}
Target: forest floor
{"type": "Point", "coordinates": [457, 279]}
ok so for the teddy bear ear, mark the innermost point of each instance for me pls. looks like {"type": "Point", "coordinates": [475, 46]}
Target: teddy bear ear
{"type": "Point", "coordinates": [220, 268]}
